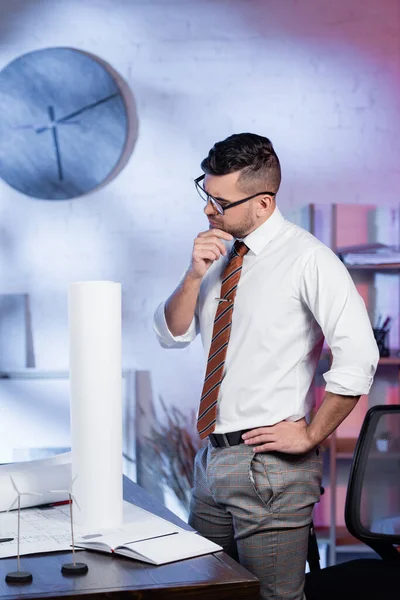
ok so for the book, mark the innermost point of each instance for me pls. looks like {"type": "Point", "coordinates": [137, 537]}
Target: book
{"type": "Point", "coordinates": [369, 254]}
{"type": "Point", "coordinates": [152, 542]}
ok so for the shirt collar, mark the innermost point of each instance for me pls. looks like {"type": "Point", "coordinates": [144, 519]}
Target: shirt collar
{"type": "Point", "coordinates": [260, 237]}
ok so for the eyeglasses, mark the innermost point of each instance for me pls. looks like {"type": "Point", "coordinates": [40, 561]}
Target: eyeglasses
{"type": "Point", "coordinates": [216, 202]}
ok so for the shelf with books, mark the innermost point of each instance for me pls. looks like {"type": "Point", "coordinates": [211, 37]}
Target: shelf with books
{"type": "Point", "coordinates": [378, 267]}
{"type": "Point", "coordinates": [343, 537]}
{"type": "Point", "coordinates": [344, 540]}
{"type": "Point", "coordinates": [367, 240]}
{"type": "Point", "coordinates": [345, 447]}
{"type": "Point", "coordinates": [392, 359]}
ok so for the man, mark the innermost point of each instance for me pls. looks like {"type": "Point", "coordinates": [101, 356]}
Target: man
{"type": "Point", "coordinates": [263, 306]}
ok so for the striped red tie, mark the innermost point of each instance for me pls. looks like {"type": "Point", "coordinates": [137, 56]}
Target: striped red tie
{"type": "Point", "coordinates": [220, 339]}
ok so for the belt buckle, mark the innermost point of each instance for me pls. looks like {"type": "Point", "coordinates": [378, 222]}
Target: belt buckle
{"type": "Point", "coordinates": [226, 441]}
{"type": "Point", "coordinates": [219, 440]}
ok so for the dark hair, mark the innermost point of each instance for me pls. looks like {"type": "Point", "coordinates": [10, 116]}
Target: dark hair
{"type": "Point", "coordinates": [252, 154]}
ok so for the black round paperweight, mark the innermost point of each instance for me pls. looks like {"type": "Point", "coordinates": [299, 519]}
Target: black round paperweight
{"type": "Point", "coordinates": [74, 569]}
{"type": "Point", "coordinates": [19, 577]}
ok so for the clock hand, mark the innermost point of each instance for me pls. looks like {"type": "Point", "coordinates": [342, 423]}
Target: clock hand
{"type": "Point", "coordinates": [87, 107]}
{"type": "Point", "coordinates": [23, 127]}
{"type": "Point", "coordinates": [46, 127]}
{"type": "Point", "coordinates": [36, 128]}
{"type": "Point", "coordinates": [55, 140]}
{"type": "Point", "coordinates": [64, 120]}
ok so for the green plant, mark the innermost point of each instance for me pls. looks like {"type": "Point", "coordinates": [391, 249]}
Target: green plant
{"type": "Point", "coordinates": [175, 442]}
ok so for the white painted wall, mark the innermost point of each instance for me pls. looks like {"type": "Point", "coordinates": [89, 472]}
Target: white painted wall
{"type": "Point", "coordinates": [318, 77]}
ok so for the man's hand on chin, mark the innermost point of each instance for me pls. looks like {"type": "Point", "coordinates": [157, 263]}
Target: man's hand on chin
{"type": "Point", "coordinates": [290, 437]}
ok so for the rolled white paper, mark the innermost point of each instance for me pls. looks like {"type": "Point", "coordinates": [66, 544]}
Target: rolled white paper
{"type": "Point", "coordinates": [96, 402]}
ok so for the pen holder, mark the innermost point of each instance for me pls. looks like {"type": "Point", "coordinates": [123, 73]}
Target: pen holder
{"type": "Point", "coordinates": [381, 337]}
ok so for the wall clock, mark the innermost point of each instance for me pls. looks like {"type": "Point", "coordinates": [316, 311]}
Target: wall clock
{"type": "Point", "coordinates": [65, 123]}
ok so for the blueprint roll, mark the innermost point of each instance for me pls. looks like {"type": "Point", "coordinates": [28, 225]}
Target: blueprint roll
{"type": "Point", "coordinates": [96, 402]}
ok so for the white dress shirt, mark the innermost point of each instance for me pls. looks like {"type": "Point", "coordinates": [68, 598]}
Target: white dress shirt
{"type": "Point", "coordinates": [293, 292]}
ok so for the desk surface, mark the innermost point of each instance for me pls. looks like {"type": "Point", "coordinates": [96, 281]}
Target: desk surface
{"type": "Point", "coordinates": [119, 578]}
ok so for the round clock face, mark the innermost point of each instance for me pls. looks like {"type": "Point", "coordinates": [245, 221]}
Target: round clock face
{"type": "Point", "coordinates": [63, 124]}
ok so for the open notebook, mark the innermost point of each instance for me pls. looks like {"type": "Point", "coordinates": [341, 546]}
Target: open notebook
{"type": "Point", "coordinates": [152, 541]}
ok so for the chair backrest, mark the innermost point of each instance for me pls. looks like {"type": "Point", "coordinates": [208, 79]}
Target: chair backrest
{"type": "Point", "coordinates": [372, 511]}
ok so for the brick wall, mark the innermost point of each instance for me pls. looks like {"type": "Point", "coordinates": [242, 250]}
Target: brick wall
{"type": "Point", "coordinates": [321, 78]}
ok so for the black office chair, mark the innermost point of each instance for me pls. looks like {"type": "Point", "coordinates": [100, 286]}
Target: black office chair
{"type": "Point", "coordinates": [372, 515]}
{"type": "Point", "coordinates": [313, 556]}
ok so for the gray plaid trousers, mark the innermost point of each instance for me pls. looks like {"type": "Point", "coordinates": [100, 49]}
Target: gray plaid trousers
{"type": "Point", "coordinates": [258, 507]}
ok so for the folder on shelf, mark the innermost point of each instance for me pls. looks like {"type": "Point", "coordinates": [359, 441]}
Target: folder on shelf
{"type": "Point", "coordinates": [369, 254]}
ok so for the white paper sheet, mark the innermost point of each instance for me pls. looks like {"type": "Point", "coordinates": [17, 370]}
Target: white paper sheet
{"type": "Point", "coordinates": [96, 402]}
{"type": "Point", "coordinates": [139, 524]}
{"type": "Point", "coordinates": [38, 476]}
{"type": "Point", "coordinates": [42, 530]}
{"type": "Point", "coordinates": [49, 529]}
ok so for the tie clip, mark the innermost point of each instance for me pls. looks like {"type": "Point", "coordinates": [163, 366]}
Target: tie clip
{"type": "Point", "coordinates": [223, 299]}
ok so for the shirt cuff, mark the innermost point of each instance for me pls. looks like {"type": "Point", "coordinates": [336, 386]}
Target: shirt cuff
{"type": "Point", "coordinates": [165, 337]}
{"type": "Point", "coordinates": [347, 384]}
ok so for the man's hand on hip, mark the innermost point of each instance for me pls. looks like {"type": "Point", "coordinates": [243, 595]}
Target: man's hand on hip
{"type": "Point", "coordinates": [290, 437]}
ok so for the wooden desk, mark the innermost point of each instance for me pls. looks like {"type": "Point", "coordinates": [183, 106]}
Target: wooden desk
{"type": "Point", "coordinates": [215, 576]}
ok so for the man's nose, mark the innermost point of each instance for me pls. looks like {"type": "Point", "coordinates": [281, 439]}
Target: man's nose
{"type": "Point", "coordinates": [209, 208]}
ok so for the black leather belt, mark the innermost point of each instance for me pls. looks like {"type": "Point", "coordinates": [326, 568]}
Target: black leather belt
{"type": "Point", "coordinates": [223, 440]}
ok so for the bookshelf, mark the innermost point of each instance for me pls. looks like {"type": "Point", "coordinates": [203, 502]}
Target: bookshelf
{"type": "Point", "coordinates": [381, 267]}
{"type": "Point", "coordinates": [338, 226]}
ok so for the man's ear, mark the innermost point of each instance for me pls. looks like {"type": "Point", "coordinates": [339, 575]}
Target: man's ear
{"type": "Point", "coordinates": [266, 203]}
